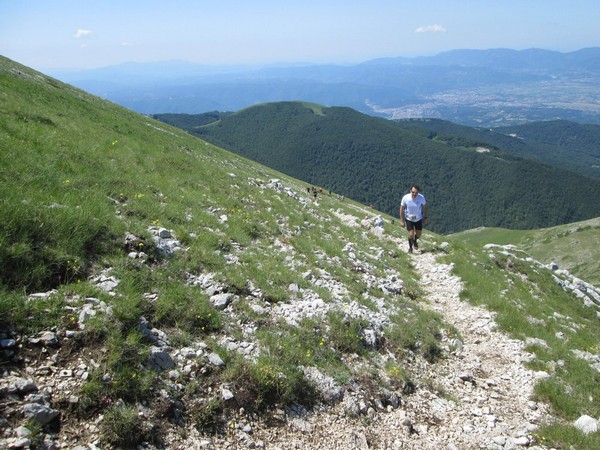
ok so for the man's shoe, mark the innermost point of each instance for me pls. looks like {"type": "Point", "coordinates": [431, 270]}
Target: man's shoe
{"type": "Point", "coordinates": [415, 245]}
{"type": "Point", "coordinates": [409, 249]}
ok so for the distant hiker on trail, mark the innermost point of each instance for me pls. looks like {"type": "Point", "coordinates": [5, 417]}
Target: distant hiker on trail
{"type": "Point", "coordinates": [413, 211]}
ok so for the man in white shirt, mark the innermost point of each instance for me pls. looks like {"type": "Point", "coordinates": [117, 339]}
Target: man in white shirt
{"type": "Point", "coordinates": [413, 212]}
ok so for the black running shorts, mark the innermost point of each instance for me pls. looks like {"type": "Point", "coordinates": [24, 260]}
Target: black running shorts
{"type": "Point", "coordinates": [416, 225]}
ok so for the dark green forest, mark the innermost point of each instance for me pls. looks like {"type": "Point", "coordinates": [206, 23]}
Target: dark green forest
{"type": "Point", "coordinates": [560, 143]}
{"type": "Point", "coordinates": [375, 161]}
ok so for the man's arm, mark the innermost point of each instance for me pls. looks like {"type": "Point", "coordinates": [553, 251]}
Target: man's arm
{"type": "Point", "coordinates": [425, 212]}
{"type": "Point", "coordinates": [402, 215]}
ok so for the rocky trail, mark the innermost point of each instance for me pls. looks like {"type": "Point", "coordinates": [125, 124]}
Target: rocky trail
{"type": "Point", "coordinates": [478, 398]}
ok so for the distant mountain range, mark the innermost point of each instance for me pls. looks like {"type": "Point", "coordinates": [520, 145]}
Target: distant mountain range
{"type": "Point", "coordinates": [473, 177]}
{"type": "Point", "coordinates": [472, 87]}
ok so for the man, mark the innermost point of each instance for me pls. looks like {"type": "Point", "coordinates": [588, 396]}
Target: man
{"type": "Point", "coordinates": [413, 211]}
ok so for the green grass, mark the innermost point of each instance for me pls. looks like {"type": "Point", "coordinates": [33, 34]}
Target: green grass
{"type": "Point", "coordinates": [419, 331]}
{"type": "Point", "coordinates": [575, 247]}
{"type": "Point", "coordinates": [122, 427]}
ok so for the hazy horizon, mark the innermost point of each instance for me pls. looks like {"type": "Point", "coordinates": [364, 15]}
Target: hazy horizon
{"type": "Point", "coordinates": [69, 35]}
{"type": "Point", "coordinates": [233, 67]}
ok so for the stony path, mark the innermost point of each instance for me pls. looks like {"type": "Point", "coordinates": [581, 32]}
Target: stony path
{"type": "Point", "coordinates": [478, 398]}
{"type": "Point", "coordinates": [486, 378]}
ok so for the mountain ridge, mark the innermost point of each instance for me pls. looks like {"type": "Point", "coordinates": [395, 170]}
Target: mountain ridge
{"type": "Point", "coordinates": [559, 143]}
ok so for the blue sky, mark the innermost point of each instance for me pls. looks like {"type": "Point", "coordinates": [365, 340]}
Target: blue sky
{"type": "Point", "coordinates": [60, 34]}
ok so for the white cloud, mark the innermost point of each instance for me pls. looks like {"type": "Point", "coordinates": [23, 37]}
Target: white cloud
{"type": "Point", "coordinates": [435, 28]}
{"type": "Point", "coordinates": [126, 44]}
{"type": "Point", "coordinates": [80, 33]}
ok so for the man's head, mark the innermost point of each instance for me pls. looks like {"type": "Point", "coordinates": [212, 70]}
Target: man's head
{"type": "Point", "coordinates": [414, 190]}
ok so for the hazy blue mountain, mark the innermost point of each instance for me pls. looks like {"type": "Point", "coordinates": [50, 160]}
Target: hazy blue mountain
{"type": "Point", "coordinates": [534, 59]}
{"type": "Point", "coordinates": [474, 87]}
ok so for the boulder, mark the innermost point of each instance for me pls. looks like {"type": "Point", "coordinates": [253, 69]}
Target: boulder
{"type": "Point", "coordinates": [586, 424]}
{"type": "Point", "coordinates": [160, 359]}
{"type": "Point", "coordinates": [42, 414]}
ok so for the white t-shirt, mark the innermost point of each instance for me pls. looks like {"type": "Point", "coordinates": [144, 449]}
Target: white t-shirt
{"type": "Point", "coordinates": [413, 208]}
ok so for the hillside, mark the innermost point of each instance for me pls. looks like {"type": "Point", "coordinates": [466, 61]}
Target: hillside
{"type": "Point", "coordinates": [575, 247]}
{"type": "Point", "coordinates": [559, 143]}
{"type": "Point", "coordinates": [374, 161]}
{"type": "Point", "coordinates": [160, 292]}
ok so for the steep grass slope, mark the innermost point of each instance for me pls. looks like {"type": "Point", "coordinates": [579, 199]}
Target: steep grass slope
{"type": "Point", "coordinates": [89, 191]}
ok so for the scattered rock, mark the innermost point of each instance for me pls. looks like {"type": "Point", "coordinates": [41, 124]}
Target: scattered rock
{"type": "Point", "coordinates": [42, 414]}
{"type": "Point", "coordinates": [487, 403]}
{"type": "Point", "coordinates": [45, 338]}
{"type": "Point", "coordinates": [221, 301]}
{"type": "Point", "coordinates": [160, 359]}
{"type": "Point", "coordinates": [215, 360]}
{"type": "Point", "coordinates": [586, 424]}
{"type": "Point", "coordinates": [226, 394]}
{"type": "Point", "coordinates": [166, 244]}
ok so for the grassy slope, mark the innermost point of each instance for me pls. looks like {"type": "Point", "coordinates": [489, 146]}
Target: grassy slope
{"type": "Point", "coordinates": [78, 173]}
{"type": "Point", "coordinates": [529, 305]}
{"type": "Point", "coordinates": [575, 247]}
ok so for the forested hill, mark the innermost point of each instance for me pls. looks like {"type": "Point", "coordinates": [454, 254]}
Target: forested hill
{"type": "Point", "coordinates": [375, 161]}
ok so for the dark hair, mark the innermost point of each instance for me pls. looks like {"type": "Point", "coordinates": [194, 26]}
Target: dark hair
{"type": "Point", "coordinates": [416, 186]}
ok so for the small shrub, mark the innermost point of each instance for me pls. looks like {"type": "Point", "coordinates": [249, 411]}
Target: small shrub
{"type": "Point", "coordinates": [132, 384]}
{"type": "Point", "coordinates": [397, 374]}
{"type": "Point", "coordinates": [267, 382]}
{"type": "Point", "coordinates": [127, 310]}
{"type": "Point", "coordinates": [306, 344]}
{"type": "Point", "coordinates": [94, 395]}
{"type": "Point", "coordinates": [345, 333]}
{"type": "Point", "coordinates": [125, 358]}
{"type": "Point", "coordinates": [180, 338]}
{"type": "Point", "coordinates": [37, 433]}
{"type": "Point", "coordinates": [208, 417]}
{"type": "Point", "coordinates": [244, 226]}
{"type": "Point", "coordinates": [271, 274]}
{"type": "Point", "coordinates": [122, 427]}
{"type": "Point", "coordinates": [418, 332]}
{"type": "Point", "coordinates": [186, 308]}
